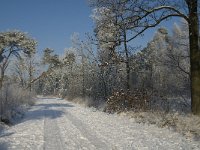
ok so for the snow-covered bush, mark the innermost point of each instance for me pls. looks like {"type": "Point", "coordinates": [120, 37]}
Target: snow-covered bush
{"type": "Point", "coordinates": [13, 101]}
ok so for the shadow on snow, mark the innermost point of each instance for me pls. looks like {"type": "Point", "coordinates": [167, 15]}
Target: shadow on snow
{"type": "Point", "coordinates": [38, 112]}
{"type": "Point", "coordinates": [53, 105]}
{"type": "Point", "coordinates": [44, 111]}
{"type": "Point", "coordinates": [3, 146]}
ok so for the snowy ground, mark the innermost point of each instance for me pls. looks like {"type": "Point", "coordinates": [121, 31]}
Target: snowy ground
{"type": "Point", "coordinates": [55, 124]}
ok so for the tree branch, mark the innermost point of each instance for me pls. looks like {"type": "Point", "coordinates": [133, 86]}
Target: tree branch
{"type": "Point", "coordinates": [152, 25]}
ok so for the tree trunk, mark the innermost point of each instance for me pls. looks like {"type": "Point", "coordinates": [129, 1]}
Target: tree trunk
{"type": "Point", "coordinates": [1, 78]}
{"type": "Point", "coordinates": [127, 63]}
{"type": "Point", "coordinates": [194, 56]}
{"type": "Point", "coordinates": [30, 75]}
{"type": "Point", "coordinates": [104, 83]}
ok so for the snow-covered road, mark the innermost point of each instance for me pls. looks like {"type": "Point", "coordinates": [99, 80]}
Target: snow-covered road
{"type": "Point", "coordinates": [55, 124]}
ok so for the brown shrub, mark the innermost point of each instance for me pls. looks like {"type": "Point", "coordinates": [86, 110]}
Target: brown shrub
{"type": "Point", "coordinates": [137, 100]}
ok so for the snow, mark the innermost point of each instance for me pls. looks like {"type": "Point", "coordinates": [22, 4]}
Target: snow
{"type": "Point", "coordinates": [54, 123]}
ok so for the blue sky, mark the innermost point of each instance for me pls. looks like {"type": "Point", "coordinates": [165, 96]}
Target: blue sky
{"type": "Point", "coordinates": [52, 22]}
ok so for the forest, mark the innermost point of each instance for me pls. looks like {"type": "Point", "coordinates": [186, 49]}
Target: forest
{"type": "Point", "coordinates": [106, 70]}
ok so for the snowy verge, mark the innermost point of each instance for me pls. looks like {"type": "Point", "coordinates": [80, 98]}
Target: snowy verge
{"type": "Point", "coordinates": [188, 124]}
{"type": "Point", "coordinates": [124, 132]}
{"type": "Point", "coordinates": [181, 122]}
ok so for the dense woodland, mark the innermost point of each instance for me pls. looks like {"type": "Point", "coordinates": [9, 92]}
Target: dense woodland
{"type": "Point", "coordinates": [106, 69]}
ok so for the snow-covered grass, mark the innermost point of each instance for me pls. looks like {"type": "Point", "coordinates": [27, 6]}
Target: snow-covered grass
{"type": "Point", "coordinates": [188, 124]}
{"type": "Point", "coordinates": [172, 113]}
{"type": "Point", "coordinates": [127, 133]}
{"type": "Point", "coordinates": [169, 113]}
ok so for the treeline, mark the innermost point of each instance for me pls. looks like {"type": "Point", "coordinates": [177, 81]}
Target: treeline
{"type": "Point", "coordinates": [106, 67]}
{"type": "Point", "coordinates": [157, 73]}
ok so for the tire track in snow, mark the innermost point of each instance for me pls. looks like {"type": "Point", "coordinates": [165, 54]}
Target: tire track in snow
{"type": "Point", "coordinates": [52, 137]}
{"type": "Point", "coordinates": [86, 131]}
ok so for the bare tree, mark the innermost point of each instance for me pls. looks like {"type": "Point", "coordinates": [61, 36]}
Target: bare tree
{"type": "Point", "coordinates": [145, 14]}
